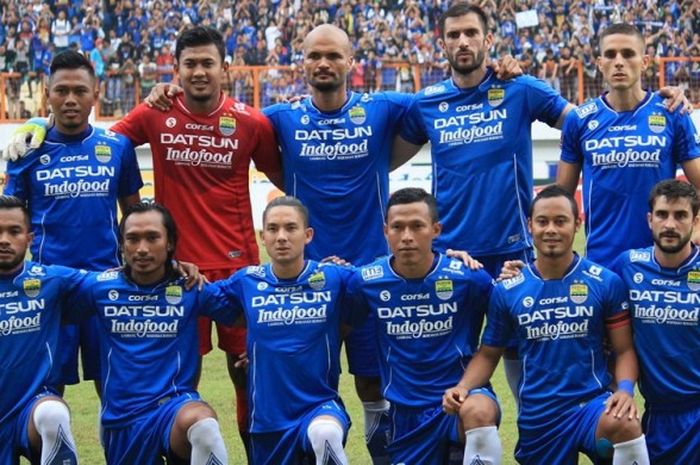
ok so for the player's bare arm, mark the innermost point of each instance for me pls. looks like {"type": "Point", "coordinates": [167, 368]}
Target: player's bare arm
{"type": "Point", "coordinates": [402, 152]}
{"type": "Point", "coordinates": [477, 374]}
{"type": "Point", "coordinates": [621, 403]}
{"type": "Point", "coordinates": [568, 175]}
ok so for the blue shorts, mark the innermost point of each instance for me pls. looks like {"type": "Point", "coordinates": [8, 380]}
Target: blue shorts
{"type": "Point", "coordinates": [146, 441]}
{"type": "Point", "coordinates": [71, 337]}
{"type": "Point", "coordinates": [673, 437]}
{"type": "Point", "coordinates": [14, 433]}
{"type": "Point", "coordinates": [292, 446]}
{"type": "Point", "coordinates": [426, 436]}
{"type": "Point", "coordinates": [362, 350]}
{"type": "Point", "coordinates": [560, 443]}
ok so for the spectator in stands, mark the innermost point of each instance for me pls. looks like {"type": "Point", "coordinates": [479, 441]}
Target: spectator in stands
{"type": "Point", "coordinates": [148, 74]}
{"type": "Point", "coordinates": [60, 30]}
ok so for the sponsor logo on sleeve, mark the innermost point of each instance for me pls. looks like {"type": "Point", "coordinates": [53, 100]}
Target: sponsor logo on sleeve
{"type": "Point", "coordinates": [586, 109]}
{"type": "Point", "coordinates": [372, 272]}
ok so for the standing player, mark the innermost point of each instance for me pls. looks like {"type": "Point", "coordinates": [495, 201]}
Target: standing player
{"type": "Point", "coordinates": [625, 141]}
{"type": "Point", "coordinates": [34, 421]}
{"type": "Point", "coordinates": [336, 149]}
{"type": "Point", "coordinates": [560, 309]}
{"type": "Point", "coordinates": [148, 331]}
{"type": "Point", "coordinates": [428, 310]}
{"type": "Point", "coordinates": [663, 282]}
{"type": "Point", "coordinates": [292, 308]}
{"type": "Point", "coordinates": [479, 128]}
{"type": "Point", "coordinates": [72, 184]}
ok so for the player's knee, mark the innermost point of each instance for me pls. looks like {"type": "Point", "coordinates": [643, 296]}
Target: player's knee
{"type": "Point", "coordinates": [49, 416]}
{"type": "Point", "coordinates": [192, 413]}
{"type": "Point", "coordinates": [478, 411]}
{"type": "Point", "coordinates": [204, 433]}
{"type": "Point", "coordinates": [619, 430]}
{"type": "Point", "coordinates": [368, 388]}
{"type": "Point", "coordinates": [326, 435]}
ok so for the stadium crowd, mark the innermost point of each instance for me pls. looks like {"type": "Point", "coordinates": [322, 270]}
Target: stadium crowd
{"type": "Point", "coordinates": [130, 42]}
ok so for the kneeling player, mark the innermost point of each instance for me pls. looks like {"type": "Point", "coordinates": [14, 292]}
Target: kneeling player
{"type": "Point", "coordinates": [34, 421]}
{"type": "Point", "coordinates": [148, 331]}
{"type": "Point", "coordinates": [559, 309]}
{"type": "Point", "coordinates": [429, 310]}
{"type": "Point", "coordinates": [663, 282]}
{"type": "Point", "coordinates": [292, 308]}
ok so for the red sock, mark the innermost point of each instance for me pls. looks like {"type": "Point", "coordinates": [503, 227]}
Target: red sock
{"type": "Point", "coordinates": [242, 410]}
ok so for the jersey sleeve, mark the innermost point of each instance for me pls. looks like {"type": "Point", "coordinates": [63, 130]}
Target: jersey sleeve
{"type": "Point", "coordinates": [77, 287]}
{"type": "Point", "coordinates": [544, 103]}
{"type": "Point", "coordinates": [231, 289]}
{"type": "Point", "coordinates": [498, 332]}
{"type": "Point", "coordinates": [413, 129]}
{"type": "Point", "coordinates": [16, 179]}
{"type": "Point", "coordinates": [134, 125]}
{"type": "Point", "coordinates": [130, 180]}
{"type": "Point", "coordinates": [570, 150]}
{"type": "Point", "coordinates": [214, 302]}
{"type": "Point", "coordinates": [686, 140]}
{"type": "Point", "coordinates": [354, 302]}
{"type": "Point", "coordinates": [616, 310]}
{"type": "Point", "coordinates": [399, 105]}
{"type": "Point", "coordinates": [266, 155]}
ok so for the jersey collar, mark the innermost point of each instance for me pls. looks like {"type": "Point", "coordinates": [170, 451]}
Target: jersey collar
{"type": "Point", "coordinates": [180, 102]}
{"type": "Point", "coordinates": [480, 86]}
{"type": "Point", "coordinates": [437, 257]}
{"type": "Point", "coordinates": [572, 267]}
{"type": "Point", "coordinates": [57, 137]}
{"type": "Point", "coordinates": [692, 257]}
{"type": "Point", "coordinates": [348, 101]}
{"type": "Point", "coordinates": [640, 105]}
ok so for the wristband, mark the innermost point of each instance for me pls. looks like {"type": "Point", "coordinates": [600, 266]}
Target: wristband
{"type": "Point", "coordinates": [627, 386]}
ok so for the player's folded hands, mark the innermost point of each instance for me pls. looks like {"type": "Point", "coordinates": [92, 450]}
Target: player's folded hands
{"type": "Point", "coordinates": [27, 137]}
{"type": "Point", "coordinates": [453, 398]}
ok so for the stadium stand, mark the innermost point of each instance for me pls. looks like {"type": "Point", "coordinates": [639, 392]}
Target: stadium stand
{"type": "Point", "coordinates": [131, 43]}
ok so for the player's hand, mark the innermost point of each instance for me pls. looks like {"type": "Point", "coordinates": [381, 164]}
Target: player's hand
{"type": "Point", "coordinates": [26, 138]}
{"type": "Point", "coordinates": [506, 68]}
{"type": "Point", "coordinates": [161, 96]}
{"type": "Point", "coordinates": [191, 273]}
{"type": "Point", "coordinates": [294, 98]}
{"type": "Point", "coordinates": [453, 399]}
{"type": "Point", "coordinates": [511, 269]}
{"type": "Point", "coordinates": [622, 404]}
{"type": "Point", "coordinates": [468, 260]}
{"type": "Point", "coordinates": [674, 97]}
{"type": "Point", "coordinates": [336, 260]}
{"type": "Point", "coordinates": [242, 361]}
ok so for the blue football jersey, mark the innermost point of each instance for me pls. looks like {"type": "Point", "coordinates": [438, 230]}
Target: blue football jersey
{"type": "Point", "coordinates": [428, 329]}
{"type": "Point", "coordinates": [31, 303]}
{"type": "Point", "coordinates": [337, 164]}
{"type": "Point", "coordinates": [623, 155]}
{"type": "Point", "coordinates": [148, 339]}
{"type": "Point", "coordinates": [665, 312]}
{"type": "Point", "coordinates": [559, 325]}
{"type": "Point", "coordinates": [481, 146]}
{"type": "Point", "coordinates": [72, 184]}
{"type": "Point", "coordinates": [293, 341]}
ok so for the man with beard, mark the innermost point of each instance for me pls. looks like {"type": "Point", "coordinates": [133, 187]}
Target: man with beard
{"type": "Point", "coordinates": [479, 128]}
{"type": "Point", "coordinates": [663, 282]}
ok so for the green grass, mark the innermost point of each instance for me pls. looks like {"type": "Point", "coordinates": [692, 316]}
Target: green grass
{"type": "Point", "coordinates": [216, 389]}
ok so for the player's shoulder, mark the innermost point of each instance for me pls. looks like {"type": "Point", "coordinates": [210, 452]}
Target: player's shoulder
{"type": "Point", "coordinates": [109, 137]}
{"type": "Point", "coordinates": [108, 276]}
{"type": "Point", "coordinates": [594, 272]}
{"type": "Point", "coordinates": [435, 91]}
{"type": "Point", "coordinates": [586, 110]}
{"type": "Point", "coordinates": [240, 110]}
{"type": "Point", "coordinates": [374, 271]}
{"type": "Point", "coordinates": [456, 269]}
{"type": "Point", "coordinates": [513, 284]}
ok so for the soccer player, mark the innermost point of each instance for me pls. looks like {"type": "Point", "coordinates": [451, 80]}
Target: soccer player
{"type": "Point", "coordinates": [292, 308]}
{"type": "Point", "coordinates": [663, 282]}
{"type": "Point", "coordinates": [148, 331]}
{"type": "Point", "coordinates": [559, 309]}
{"type": "Point", "coordinates": [34, 420]}
{"type": "Point", "coordinates": [72, 184]}
{"type": "Point", "coordinates": [625, 141]}
{"type": "Point", "coordinates": [428, 311]}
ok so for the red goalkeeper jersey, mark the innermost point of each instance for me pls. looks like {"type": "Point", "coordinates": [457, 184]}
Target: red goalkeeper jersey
{"type": "Point", "coordinates": [201, 166]}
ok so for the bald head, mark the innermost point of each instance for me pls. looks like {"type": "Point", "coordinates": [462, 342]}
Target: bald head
{"type": "Point", "coordinates": [330, 34]}
{"type": "Point", "coordinates": [327, 59]}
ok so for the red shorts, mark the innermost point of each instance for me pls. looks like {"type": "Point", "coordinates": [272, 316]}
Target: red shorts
{"type": "Point", "coordinates": [231, 338]}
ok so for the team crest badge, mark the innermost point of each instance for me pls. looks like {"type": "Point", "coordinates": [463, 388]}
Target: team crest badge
{"type": "Point", "coordinates": [578, 293]}
{"type": "Point", "coordinates": [357, 114]}
{"type": "Point", "coordinates": [694, 280]}
{"type": "Point", "coordinates": [317, 280]}
{"type": "Point", "coordinates": [495, 96]}
{"type": "Point", "coordinates": [444, 288]}
{"type": "Point", "coordinates": [657, 123]}
{"type": "Point", "coordinates": [31, 287]}
{"type": "Point", "coordinates": [103, 153]}
{"type": "Point", "coordinates": [227, 125]}
{"type": "Point", "coordinates": [173, 294]}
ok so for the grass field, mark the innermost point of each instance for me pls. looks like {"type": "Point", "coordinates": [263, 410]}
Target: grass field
{"type": "Point", "coordinates": [216, 389]}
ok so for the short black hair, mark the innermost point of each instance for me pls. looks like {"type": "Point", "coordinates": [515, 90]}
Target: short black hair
{"type": "Point", "coordinates": [288, 201]}
{"type": "Point", "coordinates": [70, 59]}
{"type": "Point", "coordinates": [460, 9]}
{"type": "Point", "coordinates": [552, 191]}
{"type": "Point", "coordinates": [168, 223]}
{"type": "Point", "coordinates": [673, 189]}
{"type": "Point", "coordinates": [10, 202]}
{"type": "Point", "coordinates": [621, 28]}
{"type": "Point", "coordinates": [412, 195]}
{"type": "Point", "coordinates": [200, 35]}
